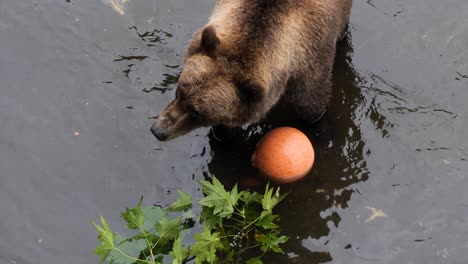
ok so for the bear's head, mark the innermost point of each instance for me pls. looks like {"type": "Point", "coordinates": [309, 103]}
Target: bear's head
{"type": "Point", "coordinates": [211, 91]}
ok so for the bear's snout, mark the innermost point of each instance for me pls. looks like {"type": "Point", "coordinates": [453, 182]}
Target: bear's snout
{"type": "Point", "coordinates": [159, 133]}
{"type": "Point", "coordinates": [173, 122]}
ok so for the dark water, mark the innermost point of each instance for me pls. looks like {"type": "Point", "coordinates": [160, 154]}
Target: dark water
{"type": "Point", "coordinates": [79, 84]}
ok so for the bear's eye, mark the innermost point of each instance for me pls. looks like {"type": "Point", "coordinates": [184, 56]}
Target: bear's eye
{"type": "Point", "coordinates": [195, 114]}
{"type": "Point", "coordinates": [178, 93]}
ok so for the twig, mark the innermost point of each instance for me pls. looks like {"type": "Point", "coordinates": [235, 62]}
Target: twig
{"type": "Point", "coordinates": [463, 76]}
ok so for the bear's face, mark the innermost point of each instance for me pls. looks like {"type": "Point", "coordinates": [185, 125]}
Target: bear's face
{"type": "Point", "coordinates": [204, 97]}
{"type": "Point", "coordinates": [209, 92]}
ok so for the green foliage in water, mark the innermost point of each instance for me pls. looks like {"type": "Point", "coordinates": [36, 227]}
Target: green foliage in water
{"type": "Point", "coordinates": [233, 224]}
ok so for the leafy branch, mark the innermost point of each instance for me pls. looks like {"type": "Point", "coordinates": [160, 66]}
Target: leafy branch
{"type": "Point", "coordinates": [233, 223]}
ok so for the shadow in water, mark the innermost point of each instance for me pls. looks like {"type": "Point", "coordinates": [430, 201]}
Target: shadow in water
{"type": "Point", "coordinates": [311, 208]}
{"type": "Point", "coordinates": [169, 82]}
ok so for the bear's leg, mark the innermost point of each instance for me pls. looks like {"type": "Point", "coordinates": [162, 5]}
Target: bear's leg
{"type": "Point", "coordinates": [226, 134]}
{"type": "Point", "coordinates": [308, 98]}
{"type": "Point", "coordinates": [346, 10]}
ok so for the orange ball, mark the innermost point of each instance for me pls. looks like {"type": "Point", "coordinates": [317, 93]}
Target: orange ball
{"type": "Point", "coordinates": [284, 155]}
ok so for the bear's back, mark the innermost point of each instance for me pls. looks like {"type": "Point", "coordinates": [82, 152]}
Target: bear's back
{"type": "Point", "coordinates": [272, 38]}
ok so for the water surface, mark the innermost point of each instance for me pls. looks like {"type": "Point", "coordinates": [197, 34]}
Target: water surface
{"type": "Point", "coordinates": [81, 82]}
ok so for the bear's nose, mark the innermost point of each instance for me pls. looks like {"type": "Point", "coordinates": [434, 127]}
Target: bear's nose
{"type": "Point", "coordinates": [160, 135]}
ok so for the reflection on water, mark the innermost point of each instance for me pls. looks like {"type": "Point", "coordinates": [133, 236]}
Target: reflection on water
{"type": "Point", "coordinates": [117, 5]}
{"type": "Point", "coordinates": [140, 72]}
{"type": "Point", "coordinates": [131, 57]}
{"type": "Point", "coordinates": [80, 85]}
{"type": "Point", "coordinates": [151, 38]}
{"type": "Point", "coordinates": [313, 205]}
{"type": "Point", "coordinates": [166, 85]}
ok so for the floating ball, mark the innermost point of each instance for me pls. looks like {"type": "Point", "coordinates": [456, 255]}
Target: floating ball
{"type": "Point", "coordinates": [284, 155]}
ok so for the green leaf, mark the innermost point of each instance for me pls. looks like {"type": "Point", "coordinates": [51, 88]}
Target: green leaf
{"type": "Point", "coordinates": [146, 236]}
{"type": "Point", "coordinates": [270, 200]}
{"type": "Point", "coordinates": [266, 220]}
{"type": "Point", "coordinates": [106, 239]}
{"type": "Point", "coordinates": [168, 228]}
{"type": "Point", "coordinates": [271, 241]}
{"type": "Point", "coordinates": [178, 253]}
{"type": "Point", "coordinates": [217, 198]}
{"type": "Point", "coordinates": [162, 236]}
{"type": "Point", "coordinates": [151, 215]}
{"type": "Point", "coordinates": [229, 256]}
{"type": "Point", "coordinates": [126, 252]}
{"type": "Point", "coordinates": [134, 216]}
{"type": "Point", "coordinates": [252, 213]}
{"type": "Point", "coordinates": [182, 204]}
{"type": "Point", "coordinates": [209, 219]}
{"type": "Point", "coordinates": [254, 261]}
{"type": "Point", "coordinates": [205, 246]}
{"type": "Point", "coordinates": [234, 195]}
{"type": "Point", "coordinates": [248, 197]}
{"type": "Point", "coordinates": [115, 248]}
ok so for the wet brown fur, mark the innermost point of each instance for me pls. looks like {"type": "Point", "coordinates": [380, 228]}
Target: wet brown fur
{"type": "Point", "coordinates": [252, 54]}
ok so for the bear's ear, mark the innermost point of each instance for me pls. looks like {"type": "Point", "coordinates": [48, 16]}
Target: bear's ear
{"type": "Point", "coordinates": [209, 40]}
{"type": "Point", "coordinates": [252, 91]}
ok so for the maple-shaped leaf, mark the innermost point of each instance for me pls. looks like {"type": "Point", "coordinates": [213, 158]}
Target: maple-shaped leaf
{"type": "Point", "coordinates": [228, 257]}
{"type": "Point", "coordinates": [143, 235]}
{"type": "Point", "coordinates": [209, 219]}
{"type": "Point", "coordinates": [249, 197]}
{"type": "Point", "coordinates": [217, 198]}
{"type": "Point", "coordinates": [182, 204]}
{"type": "Point", "coordinates": [271, 241]}
{"type": "Point", "coordinates": [178, 253]}
{"type": "Point", "coordinates": [143, 217]}
{"type": "Point", "coordinates": [205, 246]}
{"type": "Point", "coordinates": [271, 199]}
{"type": "Point", "coordinates": [106, 240]}
{"type": "Point", "coordinates": [125, 251]}
{"type": "Point", "coordinates": [151, 215]}
{"type": "Point", "coordinates": [252, 213]}
{"type": "Point", "coordinates": [134, 216]}
{"type": "Point", "coordinates": [266, 220]}
{"type": "Point", "coordinates": [168, 228]}
{"type": "Point", "coordinates": [235, 195]}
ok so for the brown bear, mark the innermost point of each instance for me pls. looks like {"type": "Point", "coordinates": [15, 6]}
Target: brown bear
{"type": "Point", "coordinates": [249, 56]}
